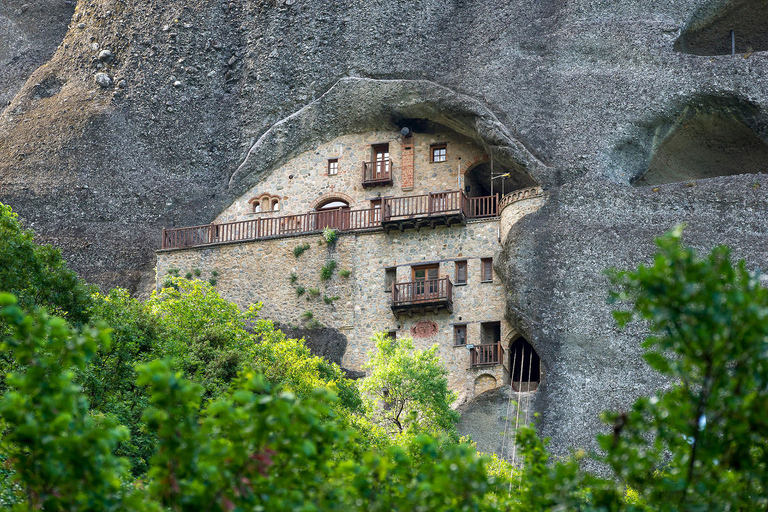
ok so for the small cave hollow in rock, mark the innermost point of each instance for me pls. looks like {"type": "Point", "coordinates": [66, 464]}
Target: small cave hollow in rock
{"type": "Point", "coordinates": [707, 145]}
{"type": "Point", "coordinates": [525, 366]}
{"type": "Point", "coordinates": [738, 27]}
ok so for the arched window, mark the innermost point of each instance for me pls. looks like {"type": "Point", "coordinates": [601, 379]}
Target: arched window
{"type": "Point", "coordinates": [265, 203]}
{"type": "Point", "coordinates": [334, 213]}
{"type": "Point", "coordinates": [333, 204]}
{"type": "Point", "coordinates": [525, 366]}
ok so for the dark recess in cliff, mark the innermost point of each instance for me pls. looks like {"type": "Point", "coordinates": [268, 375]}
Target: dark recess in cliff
{"type": "Point", "coordinates": [710, 34]}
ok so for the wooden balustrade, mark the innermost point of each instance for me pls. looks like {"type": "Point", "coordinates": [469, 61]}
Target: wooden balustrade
{"type": "Point", "coordinates": [449, 207]}
{"type": "Point", "coordinates": [480, 207]}
{"type": "Point", "coordinates": [425, 205]}
{"type": "Point", "coordinates": [377, 173]}
{"type": "Point", "coordinates": [422, 291]}
{"type": "Point", "coordinates": [423, 295]}
{"type": "Point", "coordinates": [487, 355]}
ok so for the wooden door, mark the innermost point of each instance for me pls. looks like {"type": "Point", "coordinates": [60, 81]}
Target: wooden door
{"type": "Point", "coordinates": [381, 161]}
{"type": "Point", "coordinates": [425, 282]}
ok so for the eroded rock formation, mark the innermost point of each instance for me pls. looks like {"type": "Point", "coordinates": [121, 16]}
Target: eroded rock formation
{"type": "Point", "coordinates": [583, 97]}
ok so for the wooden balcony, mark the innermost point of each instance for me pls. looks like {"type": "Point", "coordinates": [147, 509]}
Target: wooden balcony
{"type": "Point", "coordinates": [433, 209]}
{"type": "Point", "coordinates": [438, 208]}
{"type": "Point", "coordinates": [377, 173]}
{"type": "Point", "coordinates": [486, 355]}
{"type": "Point", "coordinates": [431, 295]}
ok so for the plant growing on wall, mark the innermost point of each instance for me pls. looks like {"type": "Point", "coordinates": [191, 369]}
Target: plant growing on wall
{"type": "Point", "coordinates": [314, 292]}
{"type": "Point", "coordinates": [300, 249]}
{"type": "Point", "coordinates": [330, 235]}
{"type": "Point", "coordinates": [293, 278]}
{"type": "Point", "coordinates": [300, 291]}
{"type": "Point", "coordinates": [327, 271]}
{"type": "Point", "coordinates": [345, 272]}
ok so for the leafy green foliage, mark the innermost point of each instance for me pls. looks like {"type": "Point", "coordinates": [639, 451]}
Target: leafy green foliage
{"type": "Point", "coordinates": [300, 291]}
{"type": "Point", "coordinates": [293, 277]}
{"type": "Point", "coordinates": [204, 334]}
{"type": "Point", "coordinates": [256, 447]}
{"type": "Point", "coordinates": [407, 390]}
{"type": "Point", "coordinates": [330, 235]}
{"type": "Point", "coordinates": [345, 272]}
{"type": "Point", "coordinates": [109, 380]}
{"type": "Point", "coordinates": [300, 249]}
{"type": "Point", "coordinates": [36, 274]}
{"type": "Point", "coordinates": [326, 272]}
{"type": "Point", "coordinates": [710, 431]}
{"type": "Point", "coordinates": [62, 456]}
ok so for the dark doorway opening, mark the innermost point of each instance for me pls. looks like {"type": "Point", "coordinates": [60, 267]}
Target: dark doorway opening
{"type": "Point", "coordinates": [525, 366]}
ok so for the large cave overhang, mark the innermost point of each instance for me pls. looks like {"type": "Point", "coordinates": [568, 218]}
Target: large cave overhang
{"type": "Point", "coordinates": [702, 137]}
{"type": "Point", "coordinates": [356, 105]}
{"type": "Point", "coordinates": [709, 31]}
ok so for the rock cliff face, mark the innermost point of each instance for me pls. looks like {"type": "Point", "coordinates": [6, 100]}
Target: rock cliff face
{"type": "Point", "coordinates": [198, 100]}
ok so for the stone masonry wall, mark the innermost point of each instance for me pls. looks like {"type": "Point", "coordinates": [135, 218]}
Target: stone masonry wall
{"type": "Point", "coordinates": [304, 180]}
{"type": "Point", "coordinates": [359, 305]}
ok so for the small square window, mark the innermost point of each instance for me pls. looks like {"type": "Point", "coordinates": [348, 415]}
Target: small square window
{"type": "Point", "coordinates": [459, 335]}
{"type": "Point", "coordinates": [461, 272]}
{"type": "Point", "coordinates": [439, 152]}
{"type": "Point", "coordinates": [487, 270]}
{"type": "Point", "coordinates": [390, 277]}
{"type": "Point", "coordinates": [392, 334]}
{"type": "Point", "coordinates": [333, 167]}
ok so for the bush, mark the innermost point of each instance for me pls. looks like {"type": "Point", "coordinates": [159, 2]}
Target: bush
{"type": "Point", "coordinates": [326, 272]}
{"type": "Point", "coordinates": [37, 274]}
{"type": "Point", "coordinates": [300, 249]}
{"type": "Point", "coordinates": [330, 235]}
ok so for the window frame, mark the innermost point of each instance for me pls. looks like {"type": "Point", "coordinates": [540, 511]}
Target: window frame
{"type": "Point", "coordinates": [437, 147]}
{"type": "Point", "coordinates": [483, 263]}
{"type": "Point", "coordinates": [331, 167]}
{"type": "Point", "coordinates": [458, 264]}
{"type": "Point", "coordinates": [389, 271]}
{"type": "Point", "coordinates": [457, 329]}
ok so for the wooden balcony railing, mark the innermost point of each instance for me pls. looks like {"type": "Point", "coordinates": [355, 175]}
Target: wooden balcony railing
{"type": "Point", "coordinates": [429, 294]}
{"type": "Point", "coordinates": [446, 207]}
{"type": "Point", "coordinates": [377, 173]}
{"type": "Point", "coordinates": [480, 207]}
{"type": "Point", "coordinates": [486, 355]}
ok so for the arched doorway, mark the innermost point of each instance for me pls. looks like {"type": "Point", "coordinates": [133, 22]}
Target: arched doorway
{"type": "Point", "coordinates": [332, 213]}
{"type": "Point", "coordinates": [524, 365]}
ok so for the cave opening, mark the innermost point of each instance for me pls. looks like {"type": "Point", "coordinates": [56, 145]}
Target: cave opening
{"type": "Point", "coordinates": [708, 145]}
{"type": "Point", "coordinates": [525, 366]}
{"type": "Point", "coordinates": [740, 26]}
{"type": "Point", "coordinates": [485, 180]}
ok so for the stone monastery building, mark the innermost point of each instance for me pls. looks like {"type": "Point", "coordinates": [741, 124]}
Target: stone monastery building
{"type": "Point", "coordinates": [419, 214]}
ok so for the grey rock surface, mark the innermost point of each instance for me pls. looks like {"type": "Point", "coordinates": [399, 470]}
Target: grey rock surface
{"type": "Point", "coordinates": [29, 34]}
{"type": "Point", "coordinates": [325, 342]}
{"type": "Point", "coordinates": [581, 97]}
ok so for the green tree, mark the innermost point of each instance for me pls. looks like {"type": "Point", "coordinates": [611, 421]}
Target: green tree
{"type": "Point", "coordinates": [37, 274]}
{"type": "Point", "coordinates": [408, 390]}
{"type": "Point", "coordinates": [704, 443]}
{"type": "Point", "coordinates": [62, 456]}
{"type": "Point", "coordinates": [109, 379]}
